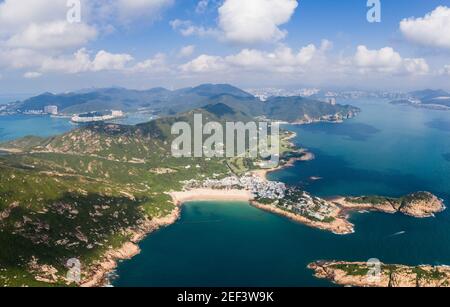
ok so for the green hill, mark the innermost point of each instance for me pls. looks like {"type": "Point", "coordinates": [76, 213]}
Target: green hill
{"type": "Point", "coordinates": [166, 102]}
{"type": "Point", "coordinates": [83, 193]}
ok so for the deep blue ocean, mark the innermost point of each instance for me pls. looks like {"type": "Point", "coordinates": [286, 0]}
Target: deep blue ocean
{"type": "Point", "coordinates": [386, 150]}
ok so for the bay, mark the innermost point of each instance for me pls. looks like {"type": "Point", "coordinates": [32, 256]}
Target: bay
{"type": "Point", "coordinates": [387, 150]}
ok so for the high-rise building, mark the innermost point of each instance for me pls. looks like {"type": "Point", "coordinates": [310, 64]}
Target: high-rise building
{"type": "Point", "coordinates": [331, 100]}
{"type": "Point", "coordinates": [53, 110]}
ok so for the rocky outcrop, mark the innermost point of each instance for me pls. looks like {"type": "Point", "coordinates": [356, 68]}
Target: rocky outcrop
{"type": "Point", "coordinates": [98, 272]}
{"type": "Point", "coordinates": [360, 274]}
{"type": "Point", "coordinates": [419, 205]}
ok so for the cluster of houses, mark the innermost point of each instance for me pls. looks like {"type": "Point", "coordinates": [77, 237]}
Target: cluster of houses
{"type": "Point", "coordinates": [300, 202]}
{"type": "Point", "coordinates": [259, 187]}
{"type": "Point", "coordinates": [290, 199]}
{"type": "Point", "coordinates": [264, 189]}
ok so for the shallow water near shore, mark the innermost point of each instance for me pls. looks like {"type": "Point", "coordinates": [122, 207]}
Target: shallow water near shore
{"type": "Point", "coordinates": [16, 126]}
{"type": "Point", "coordinates": [387, 150]}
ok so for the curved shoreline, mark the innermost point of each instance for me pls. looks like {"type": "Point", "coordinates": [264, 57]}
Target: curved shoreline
{"type": "Point", "coordinates": [98, 273]}
{"type": "Point", "coordinates": [307, 156]}
{"type": "Point", "coordinates": [339, 226]}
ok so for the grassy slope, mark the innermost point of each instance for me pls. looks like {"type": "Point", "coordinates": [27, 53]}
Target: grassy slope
{"type": "Point", "coordinates": [77, 195]}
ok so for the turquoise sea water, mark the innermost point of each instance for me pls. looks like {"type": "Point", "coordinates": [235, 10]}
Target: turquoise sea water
{"type": "Point", "coordinates": [387, 150]}
{"type": "Point", "coordinates": [16, 126]}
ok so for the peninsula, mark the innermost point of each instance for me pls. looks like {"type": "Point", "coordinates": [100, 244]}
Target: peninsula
{"type": "Point", "coordinates": [298, 205]}
{"type": "Point", "coordinates": [420, 204]}
{"type": "Point", "coordinates": [428, 99]}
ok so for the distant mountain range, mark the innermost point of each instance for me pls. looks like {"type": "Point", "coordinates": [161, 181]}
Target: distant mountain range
{"type": "Point", "coordinates": [323, 94]}
{"type": "Point", "coordinates": [432, 99]}
{"type": "Point", "coordinates": [166, 102]}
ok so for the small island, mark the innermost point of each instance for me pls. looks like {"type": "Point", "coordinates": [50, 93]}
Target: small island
{"type": "Point", "coordinates": [360, 274]}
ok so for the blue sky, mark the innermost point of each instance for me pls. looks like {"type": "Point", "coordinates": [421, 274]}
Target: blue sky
{"type": "Point", "coordinates": [252, 43]}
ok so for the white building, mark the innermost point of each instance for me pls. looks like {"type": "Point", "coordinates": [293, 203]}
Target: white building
{"type": "Point", "coordinates": [97, 117]}
{"type": "Point", "coordinates": [332, 101]}
{"type": "Point", "coordinates": [53, 110]}
{"type": "Point", "coordinates": [116, 113]}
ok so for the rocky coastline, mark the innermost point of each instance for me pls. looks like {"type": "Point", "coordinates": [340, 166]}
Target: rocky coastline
{"type": "Point", "coordinates": [371, 274]}
{"type": "Point", "coordinates": [97, 275]}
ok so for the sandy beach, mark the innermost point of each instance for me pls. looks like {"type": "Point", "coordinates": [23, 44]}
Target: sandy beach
{"type": "Point", "coordinates": [98, 275]}
{"type": "Point", "coordinates": [210, 195]}
{"type": "Point", "coordinates": [10, 150]}
{"type": "Point", "coordinates": [340, 225]}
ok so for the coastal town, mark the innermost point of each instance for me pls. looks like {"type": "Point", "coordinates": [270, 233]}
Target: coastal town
{"type": "Point", "coordinates": [271, 193]}
{"type": "Point", "coordinates": [258, 187]}
{"type": "Point", "coordinates": [300, 206]}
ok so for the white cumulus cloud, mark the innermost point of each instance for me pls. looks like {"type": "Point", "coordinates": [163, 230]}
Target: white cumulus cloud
{"type": "Point", "coordinates": [244, 22]}
{"type": "Point", "coordinates": [109, 61]}
{"type": "Point", "coordinates": [205, 64]}
{"type": "Point", "coordinates": [41, 24]}
{"type": "Point", "coordinates": [81, 61]}
{"type": "Point", "coordinates": [156, 63]}
{"type": "Point", "coordinates": [255, 21]}
{"type": "Point", "coordinates": [282, 59]}
{"type": "Point", "coordinates": [52, 35]}
{"type": "Point", "coordinates": [387, 60]}
{"type": "Point", "coordinates": [310, 60]}
{"type": "Point", "coordinates": [384, 59]}
{"type": "Point", "coordinates": [431, 30]}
